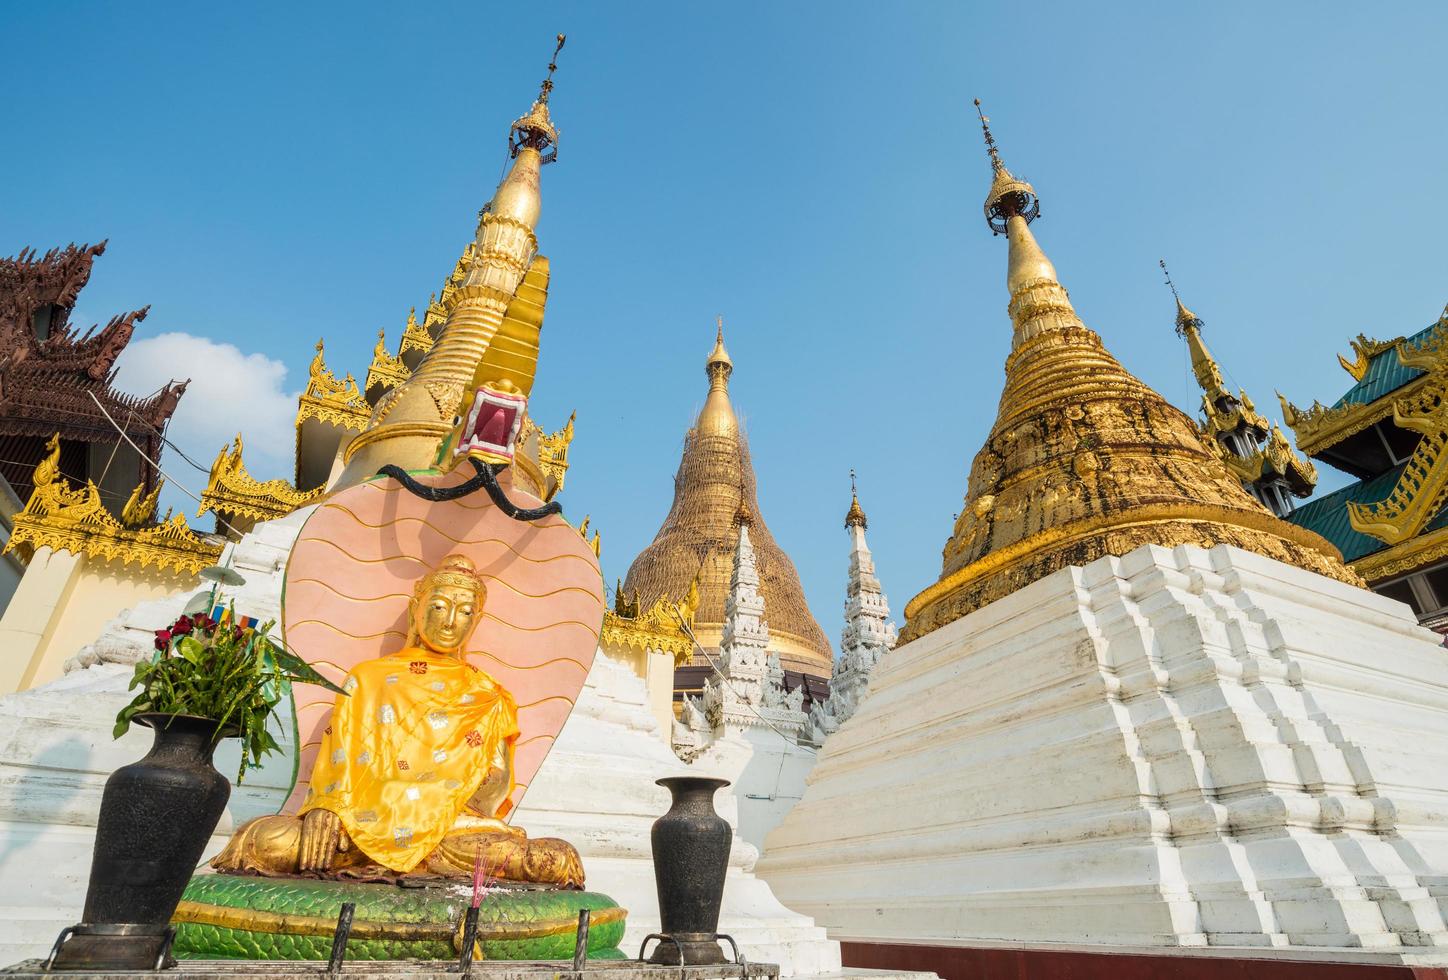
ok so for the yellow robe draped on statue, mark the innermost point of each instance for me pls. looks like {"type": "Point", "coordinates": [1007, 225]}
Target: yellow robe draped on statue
{"type": "Point", "coordinates": [406, 749]}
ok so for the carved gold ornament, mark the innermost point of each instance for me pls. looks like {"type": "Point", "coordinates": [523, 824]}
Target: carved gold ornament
{"type": "Point", "coordinates": [230, 489]}
{"type": "Point", "coordinates": [63, 518]}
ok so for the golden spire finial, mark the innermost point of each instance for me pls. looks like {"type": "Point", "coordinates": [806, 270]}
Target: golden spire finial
{"type": "Point", "coordinates": [717, 416]}
{"type": "Point", "coordinates": [552, 67]}
{"type": "Point", "coordinates": [1185, 318]}
{"type": "Point", "coordinates": [719, 362]}
{"type": "Point", "coordinates": [990, 143]}
{"type": "Point", "coordinates": [1008, 195]}
{"type": "Point", "coordinates": [855, 516]}
{"type": "Point", "coordinates": [536, 129]}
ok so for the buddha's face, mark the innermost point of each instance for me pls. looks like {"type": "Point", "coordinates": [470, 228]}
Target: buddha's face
{"type": "Point", "coordinates": [444, 619]}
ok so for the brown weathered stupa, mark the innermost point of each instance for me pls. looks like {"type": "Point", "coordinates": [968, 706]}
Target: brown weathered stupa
{"type": "Point", "coordinates": [1084, 460]}
{"type": "Point", "coordinates": [698, 537]}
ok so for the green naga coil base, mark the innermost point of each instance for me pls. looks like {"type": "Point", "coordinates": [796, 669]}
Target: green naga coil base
{"type": "Point", "coordinates": [234, 917]}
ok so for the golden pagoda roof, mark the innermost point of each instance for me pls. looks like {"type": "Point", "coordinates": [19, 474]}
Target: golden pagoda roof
{"type": "Point", "coordinates": [76, 520]}
{"type": "Point", "coordinates": [326, 399]}
{"type": "Point", "coordinates": [660, 627]}
{"type": "Point", "coordinates": [387, 370]}
{"type": "Point", "coordinates": [698, 537]}
{"type": "Point", "coordinates": [231, 490]}
{"type": "Point", "coordinates": [855, 516]}
{"type": "Point", "coordinates": [1083, 461]}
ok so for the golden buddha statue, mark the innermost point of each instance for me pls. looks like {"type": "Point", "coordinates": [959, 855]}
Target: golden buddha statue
{"type": "Point", "coordinates": [415, 769]}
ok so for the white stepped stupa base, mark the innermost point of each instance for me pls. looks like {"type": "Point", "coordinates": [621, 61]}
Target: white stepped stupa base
{"type": "Point", "coordinates": [596, 789]}
{"type": "Point", "coordinates": [1174, 748]}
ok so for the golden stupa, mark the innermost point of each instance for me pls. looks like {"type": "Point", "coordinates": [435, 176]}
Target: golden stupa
{"type": "Point", "coordinates": [1084, 460]}
{"type": "Point", "coordinates": [698, 537]}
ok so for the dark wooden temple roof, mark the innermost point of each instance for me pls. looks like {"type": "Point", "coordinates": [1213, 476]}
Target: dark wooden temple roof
{"type": "Point", "coordinates": [49, 370]}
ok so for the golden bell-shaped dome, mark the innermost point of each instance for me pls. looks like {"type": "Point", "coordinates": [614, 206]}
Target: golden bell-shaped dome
{"type": "Point", "coordinates": [713, 489]}
{"type": "Point", "coordinates": [1083, 461]}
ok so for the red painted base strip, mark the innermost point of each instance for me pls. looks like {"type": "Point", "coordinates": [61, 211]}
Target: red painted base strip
{"type": "Point", "coordinates": [977, 963]}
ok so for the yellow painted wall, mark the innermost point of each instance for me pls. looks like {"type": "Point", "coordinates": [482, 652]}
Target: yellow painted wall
{"type": "Point", "coordinates": [62, 604]}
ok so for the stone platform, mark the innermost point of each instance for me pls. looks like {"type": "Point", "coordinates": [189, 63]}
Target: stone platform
{"type": "Point", "coordinates": [437, 970]}
{"type": "Point", "coordinates": [1174, 748]}
{"type": "Point", "coordinates": [1053, 961]}
{"type": "Point", "coordinates": [448, 970]}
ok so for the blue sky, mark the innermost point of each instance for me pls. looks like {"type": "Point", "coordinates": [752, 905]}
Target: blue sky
{"type": "Point", "coordinates": [269, 174]}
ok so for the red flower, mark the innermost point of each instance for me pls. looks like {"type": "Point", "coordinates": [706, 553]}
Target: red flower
{"type": "Point", "coordinates": [203, 622]}
{"type": "Point", "coordinates": [163, 640]}
{"type": "Point", "coordinates": [473, 738]}
{"type": "Point", "coordinates": [418, 666]}
{"type": "Point", "coordinates": [402, 764]}
{"type": "Point", "coordinates": [182, 626]}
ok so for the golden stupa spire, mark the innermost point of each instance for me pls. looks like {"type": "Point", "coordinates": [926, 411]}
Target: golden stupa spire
{"type": "Point", "coordinates": [714, 489]}
{"type": "Point", "coordinates": [1010, 207]}
{"type": "Point", "coordinates": [490, 338]}
{"type": "Point", "coordinates": [1204, 366]}
{"type": "Point", "coordinates": [855, 516]}
{"type": "Point", "coordinates": [717, 416]}
{"type": "Point", "coordinates": [1083, 460]}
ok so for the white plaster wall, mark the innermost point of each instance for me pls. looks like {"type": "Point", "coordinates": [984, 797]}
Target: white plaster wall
{"type": "Point", "coordinates": [767, 773]}
{"type": "Point", "coordinates": [1172, 748]}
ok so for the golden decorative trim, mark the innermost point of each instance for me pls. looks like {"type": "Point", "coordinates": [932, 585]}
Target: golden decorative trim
{"type": "Point", "coordinates": [328, 400]}
{"type": "Point", "coordinates": [232, 490]}
{"type": "Point", "coordinates": [932, 608]}
{"type": "Point", "coordinates": [1422, 488]}
{"type": "Point", "coordinates": [1275, 458]}
{"type": "Point", "coordinates": [76, 520]}
{"type": "Point", "coordinates": [1321, 427]}
{"type": "Point", "coordinates": [386, 370]}
{"type": "Point", "coordinates": [1364, 350]}
{"type": "Point", "coordinates": [414, 336]}
{"type": "Point", "coordinates": [1401, 559]}
{"type": "Point", "coordinates": [625, 627]}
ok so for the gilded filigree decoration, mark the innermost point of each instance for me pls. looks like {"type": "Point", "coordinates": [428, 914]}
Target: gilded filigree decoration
{"type": "Point", "coordinates": [1320, 426]}
{"type": "Point", "coordinates": [74, 519]}
{"type": "Point", "coordinates": [415, 337]}
{"type": "Point", "coordinates": [659, 628]}
{"type": "Point", "coordinates": [553, 452]}
{"type": "Point", "coordinates": [329, 400]}
{"type": "Point", "coordinates": [1422, 487]}
{"type": "Point", "coordinates": [1364, 349]}
{"type": "Point", "coordinates": [231, 490]}
{"type": "Point", "coordinates": [386, 370]}
{"type": "Point", "coordinates": [440, 306]}
{"type": "Point", "coordinates": [1275, 458]}
{"type": "Point", "coordinates": [1409, 556]}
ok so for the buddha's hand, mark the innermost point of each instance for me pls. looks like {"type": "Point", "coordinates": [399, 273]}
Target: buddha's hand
{"type": "Point", "coordinates": [322, 838]}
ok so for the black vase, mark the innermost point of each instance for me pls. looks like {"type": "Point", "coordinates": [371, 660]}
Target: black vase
{"type": "Point", "coordinates": [156, 816]}
{"type": "Point", "coordinates": [691, 855]}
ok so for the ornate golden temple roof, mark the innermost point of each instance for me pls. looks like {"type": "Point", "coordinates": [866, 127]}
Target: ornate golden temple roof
{"type": "Point", "coordinates": [63, 518]}
{"type": "Point", "coordinates": [236, 495]}
{"type": "Point", "coordinates": [698, 537]}
{"type": "Point", "coordinates": [1084, 460]}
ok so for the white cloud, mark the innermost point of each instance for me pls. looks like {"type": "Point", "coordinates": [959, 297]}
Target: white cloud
{"type": "Point", "coordinates": [230, 392]}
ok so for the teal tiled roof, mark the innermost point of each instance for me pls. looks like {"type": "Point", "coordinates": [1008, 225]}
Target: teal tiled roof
{"type": "Point", "coordinates": [1385, 374]}
{"type": "Point", "coordinates": [1328, 515]}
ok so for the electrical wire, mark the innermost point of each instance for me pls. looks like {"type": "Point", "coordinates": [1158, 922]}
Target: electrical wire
{"type": "Point", "coordinates": [170, 479]}
{"type": "Point", "coordinates": [689, 632]}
